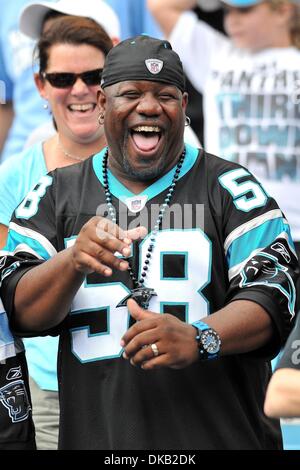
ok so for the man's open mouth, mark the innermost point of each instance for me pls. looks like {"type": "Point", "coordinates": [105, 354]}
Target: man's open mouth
{"type": "Point", "coordinates": [146, 138]}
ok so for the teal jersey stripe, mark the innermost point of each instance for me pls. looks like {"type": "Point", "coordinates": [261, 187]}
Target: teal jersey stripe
{"type": "Point", "coordinates": [121, 192]}
{"type": "Point", "coordinates": [258, 237]}
{"type": "Point", "coordinates": [14, 239]}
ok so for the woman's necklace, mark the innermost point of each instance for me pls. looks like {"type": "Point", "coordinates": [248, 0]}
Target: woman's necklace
{"type": "Point", "coordinates": [140, 293]}
{"type": "Point", "coordinates": [67, 154]}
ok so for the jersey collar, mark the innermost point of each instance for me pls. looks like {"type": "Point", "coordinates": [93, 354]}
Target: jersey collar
{"type": "Point", "coordinates": [121, 192]}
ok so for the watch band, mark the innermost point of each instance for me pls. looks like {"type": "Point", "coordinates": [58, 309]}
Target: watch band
{"type": "Point", "coordinates": [208, 341]}
{"type": "Point", "coordinates": [201, 325]}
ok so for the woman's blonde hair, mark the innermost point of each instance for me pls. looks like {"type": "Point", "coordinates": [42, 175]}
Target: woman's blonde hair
{"type": "Point", "coordinates": [295, 20]}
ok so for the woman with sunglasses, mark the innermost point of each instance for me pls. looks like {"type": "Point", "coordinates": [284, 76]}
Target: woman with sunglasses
{"type": "Point", "coordinates": [71, 55]}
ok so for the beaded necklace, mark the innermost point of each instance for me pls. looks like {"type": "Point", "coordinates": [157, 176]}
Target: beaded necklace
{"type": "Point", "coordinates": [140, 293]}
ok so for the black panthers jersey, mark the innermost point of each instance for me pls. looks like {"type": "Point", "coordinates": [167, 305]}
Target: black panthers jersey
{"type": "Point", "coordinates": [16, 425]}
{"type": "Point", "coordinates": [222, 239]}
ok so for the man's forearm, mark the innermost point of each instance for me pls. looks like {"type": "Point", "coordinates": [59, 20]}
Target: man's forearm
{"type": "Point", "coordinates": [44, 294]}
{"type": "Point", "coordinates": [242, 325]}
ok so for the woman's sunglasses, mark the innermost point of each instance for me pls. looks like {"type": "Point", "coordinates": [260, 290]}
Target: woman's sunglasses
{"type": "Point", "coordinates": [67, 79]}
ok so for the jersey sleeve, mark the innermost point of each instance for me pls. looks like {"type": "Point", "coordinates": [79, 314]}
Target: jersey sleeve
{"type": "Point", "coordinates": [260, 254]}
{"type": "Point", "coordinates": [31, 238]}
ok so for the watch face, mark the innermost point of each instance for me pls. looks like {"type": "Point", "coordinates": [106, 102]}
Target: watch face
{"type": "Point", "coordinates": [210, 341]}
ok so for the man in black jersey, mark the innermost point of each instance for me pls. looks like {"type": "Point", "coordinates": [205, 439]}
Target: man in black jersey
{"type": "Point", "coordinates": [166, 330]}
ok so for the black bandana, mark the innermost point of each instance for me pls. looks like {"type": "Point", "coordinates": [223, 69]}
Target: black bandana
{"type": "Point", "coordinates": [143, 58]}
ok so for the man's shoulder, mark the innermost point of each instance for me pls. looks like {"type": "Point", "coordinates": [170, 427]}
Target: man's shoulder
{"type": "Point", "coordinates": [219, 165]}
{"type": "Point", "coordinates": [73, 171]}
{"type": "Point", "coordinates": [71, 181]}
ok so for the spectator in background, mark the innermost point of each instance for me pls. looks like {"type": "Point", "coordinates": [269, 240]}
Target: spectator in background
{"type": "Point", "coordinates": [212, 14]}
{"type": "Point", "coordinates": [249, 82]}
{"type": "Point", "coordinates": [23, 109]}
{"type": "Point", "coordinates": [33, 16]}
{"type": "Point", "coordinates": [32, 20]}
{"type": "Point", "coordinates": [283, 393]}
{"type": "Point", "coordinates": [71, 55]}
{"type": "Point", "coordinates": [136, 18]}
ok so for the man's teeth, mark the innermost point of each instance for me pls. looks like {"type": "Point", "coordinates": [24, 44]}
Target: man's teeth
{"type": "Point", "coordinates": [81, 107]}
{"type": "Point", "coordinates": [146, 129]}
